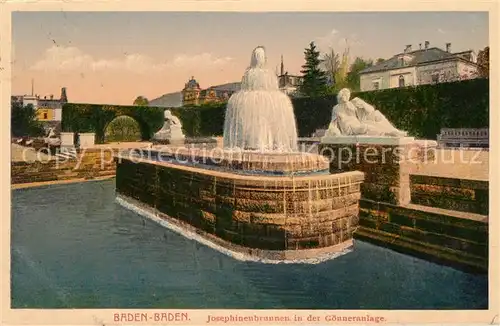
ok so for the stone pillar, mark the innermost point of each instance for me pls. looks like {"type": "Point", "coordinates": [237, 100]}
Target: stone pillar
{"type": "Point", "coordinates": [87, 139]}
{"type": "Point", "coordinates": [387, 163]}
{"type": "Point", "coordinates": [67, 139]}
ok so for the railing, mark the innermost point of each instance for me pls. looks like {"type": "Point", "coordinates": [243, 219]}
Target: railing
{"type": "Point", "coordinates": [463, 137]}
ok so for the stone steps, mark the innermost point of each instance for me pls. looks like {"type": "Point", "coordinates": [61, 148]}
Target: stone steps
{"type": "Point", "coordinates": [434, 253]}
{"type": "Point", "coordinates": [67, 153]}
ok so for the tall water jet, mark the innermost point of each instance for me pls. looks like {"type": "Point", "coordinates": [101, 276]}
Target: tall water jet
{"type": "Point", "coordinates": [260, 117]}
{"type": "Point", "coordinates": [257, 197]}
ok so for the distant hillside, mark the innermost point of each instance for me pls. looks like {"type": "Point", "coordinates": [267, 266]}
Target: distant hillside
{"type": "Point", "coordinates": [170, 100]}
{"type": "Point", "coordinates": [174, 100]}
{"type": "Point", "coordinates": [234, 87]}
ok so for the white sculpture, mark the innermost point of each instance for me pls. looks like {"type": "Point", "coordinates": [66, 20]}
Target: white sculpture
{"type": "Point", "coordinates": [171, 130]}
{"type": "Point", "coordinates": [356, 117]}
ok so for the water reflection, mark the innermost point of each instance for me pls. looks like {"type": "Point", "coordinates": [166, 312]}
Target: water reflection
{"type": "Point", "coordinates": [86, 251]}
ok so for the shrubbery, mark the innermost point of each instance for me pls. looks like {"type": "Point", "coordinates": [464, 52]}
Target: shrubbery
{"type": "Point", "coordinates": [122, 128]}
{"type": "Point", "coordinates": [24, 121]}
{"type": "Point", "coordinates": [421, 110]}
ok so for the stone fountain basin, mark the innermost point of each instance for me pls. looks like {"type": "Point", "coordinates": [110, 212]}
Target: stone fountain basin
{"type": "Point", "coordinates": [245, 162]}
{"type": "Point", "coordinates": [281, 218]}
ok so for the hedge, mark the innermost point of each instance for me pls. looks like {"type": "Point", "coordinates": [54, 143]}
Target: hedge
{"type": "Point", "coordinates": [96, 117]}
{"type": "Point", "coordinates": [421, 110]}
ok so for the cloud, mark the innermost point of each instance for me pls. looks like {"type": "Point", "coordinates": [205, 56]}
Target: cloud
{"type": "Point", "coordinates": [327, 40]}
{"type": "Point", "coordinates": [61, 58]}
{"type": "Point", "coordinates": [184, 60]}
{"type": "Point", "coordinates": [441, 31]}
{"type": "Point", "coordinates": [334, 39]}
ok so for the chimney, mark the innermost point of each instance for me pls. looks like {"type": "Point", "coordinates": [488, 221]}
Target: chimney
{"type": "Point", "coordinates": [448, 47]}
{"type": "Point", "coordinates": [420, 46]}
{"type": "Point", "coordinates": [282, 67]}
{"type": "Point", "coordinates": [426, 45]}
{"type": "Point", "coordinates": [64, 98]}
{"type": "Point", "coordinates": [408, 48]}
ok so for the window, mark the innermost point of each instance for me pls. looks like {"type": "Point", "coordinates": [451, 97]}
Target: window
{"type": "Point", "coordinates": [435, 78]}
{"type": "Point", "coordinates": [376, 85]}
{"type": "Point", "coordinates": [401, 81]}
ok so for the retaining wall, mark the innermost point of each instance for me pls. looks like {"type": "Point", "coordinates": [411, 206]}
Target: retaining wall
{"type": "Point", "coordinates": [450, 193]}
{"type": "Point", "coordinates": [271, 213]}
{"type": "Point", "coordinates": [444, 236]}
{"type": "Point", "coordinates": [89, 164]}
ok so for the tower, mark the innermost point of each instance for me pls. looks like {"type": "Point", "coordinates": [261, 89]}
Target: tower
{"type": "Point", "coordinates": [191, 92]}
{"type": "Point", "coordinates": [64, 98]}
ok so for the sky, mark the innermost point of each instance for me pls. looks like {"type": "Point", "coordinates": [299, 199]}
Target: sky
{"type": "Point", "coordinates": [113, 57]}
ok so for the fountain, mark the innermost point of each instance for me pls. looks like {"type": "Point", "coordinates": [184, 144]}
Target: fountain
{"type": "Point", "coordinates": [260, 117]}
{"type": "Point", "coordinates": [257, 197]}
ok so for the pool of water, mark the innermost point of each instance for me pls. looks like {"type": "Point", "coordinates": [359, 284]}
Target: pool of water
{"type": "Point", "coordinates": [73, 246]}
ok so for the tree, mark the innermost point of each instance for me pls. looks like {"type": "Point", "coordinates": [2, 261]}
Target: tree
{"type": "Point", "coordinates": [483, 61]}
{"type": "Point", "coordinates": [314, 80]}
{"type": "Point", "coordinates": [353, 76]}
{"type": "Point", "coordinates": [331, 64]}
{"type": "Point", "coordinates": [379, 60]}
{"type": "Point", "coordinates": [141, 101]}
{"type": "Point", "coordinates": [24, 121]}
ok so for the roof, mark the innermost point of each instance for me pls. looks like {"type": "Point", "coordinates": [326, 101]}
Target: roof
{"type": "Point", "coordinates": [192, 83]}
{"type": "Point", "coordinates": [419, 57]}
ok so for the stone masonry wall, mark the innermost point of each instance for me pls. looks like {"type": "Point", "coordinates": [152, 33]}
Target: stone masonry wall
{"type": "Point", "coordinates": [449, 193]}
{"type": "Point", "coordinates": [272, 213]}
{"type": "Point", "coordinates": [391, 211]}
{"type": "Point", "coordinates": [432, 234]}
{"type": "Point", "coordinates": [387, 168]}
{"type": "Point", "coordinates": [90, 163]}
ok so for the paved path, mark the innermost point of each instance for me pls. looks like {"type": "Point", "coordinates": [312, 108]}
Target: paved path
{"type": "Point", "coordinates": [451, 163]}
{"type": "Point", "coordinates": [462, 164]}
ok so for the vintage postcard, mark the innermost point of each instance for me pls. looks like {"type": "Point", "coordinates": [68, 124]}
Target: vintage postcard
{"type": "Point", "coordinates": [249, 162]}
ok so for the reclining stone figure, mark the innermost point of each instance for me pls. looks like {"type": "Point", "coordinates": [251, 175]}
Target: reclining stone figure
{"type": "Point", "coordinates": [356, 117]}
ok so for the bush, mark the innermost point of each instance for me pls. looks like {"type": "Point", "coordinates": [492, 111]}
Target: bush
{"type": "Point", "coordinates": [122, 128]}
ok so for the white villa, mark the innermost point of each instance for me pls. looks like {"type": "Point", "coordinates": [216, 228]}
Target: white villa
{"type": "Point", "coordinates": [423, 66]}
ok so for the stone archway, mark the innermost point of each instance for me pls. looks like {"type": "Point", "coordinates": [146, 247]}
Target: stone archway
{"type": "Point", "coordinates": [95, 118]}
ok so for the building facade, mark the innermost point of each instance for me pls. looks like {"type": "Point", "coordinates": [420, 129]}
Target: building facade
{"type": "Point", "coordinates": [193, 94]}
{"type": "Point", "coordinates": [288, 84]}
{"type": "Point", "coordinates": [48, 109]}
{"type": "Point", "coordinates": [423, 66]}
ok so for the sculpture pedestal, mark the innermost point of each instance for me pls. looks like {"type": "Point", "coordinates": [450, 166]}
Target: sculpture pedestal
{"type": "Point", "coordinates": [87, 140]}
{"type": "Point", "coordinates": [386, 162]}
